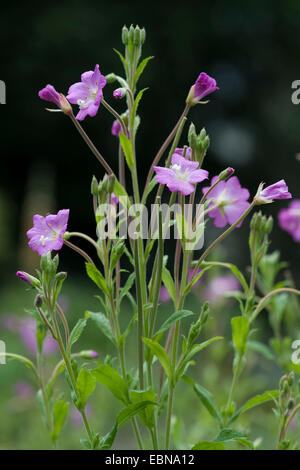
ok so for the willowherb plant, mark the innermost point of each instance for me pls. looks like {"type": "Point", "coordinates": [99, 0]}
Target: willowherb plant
{"type": "Point", "coordinates": [147, 391]}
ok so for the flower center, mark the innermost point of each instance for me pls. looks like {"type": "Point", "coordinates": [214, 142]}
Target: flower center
{"type": "Point", "coordinates": [180, 175]}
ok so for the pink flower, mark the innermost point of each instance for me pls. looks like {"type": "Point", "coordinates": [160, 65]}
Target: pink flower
{"type": "Point", "coordinates": [27, 331]}
{"type": "Point", "coordinates": [289, 219]}
{"type": "Point", "coordinates": [113, 198]}
{"type": "Point", "coordinates": [46, 233]}
{"type": "Point", "coordinates": [188, 152]}
{"type": "Point", "coordinates": [50, 94]}
{"type": "Point", "coordinates": [87, 93]}
{"type": "Point", "coordinates": [118, 93]}
{"type": "Point", "coordinates": [220, 286]}
{"type": "Point", "coordinates": [116, 128]}
{"type": "Point", "coordinates": [231, 199]}
{"type": "Point", "coordinates": [23, 389]}
{"type": "Point", "coordinates": [277, 190]}
{"type": "Point", "coordinates": [203, 86]}
{"type": "Point", "coordinates": [181, 176]}
{"type": "Point", "coordinates": [164, 295]}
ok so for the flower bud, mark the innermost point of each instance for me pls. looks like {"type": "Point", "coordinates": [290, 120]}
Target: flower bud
{"type": "Point", "coordinates": [137, 36]}
{"type": "Point", "coordinates": [39, 301]}
{"type": "Point", "coordinates": [90, 354]}
{"type": "Point", "coordinates": [111, 183]}
{"type": "Point", "coordinates": [291, 378]}
{"type": "Point", "coordinates": [33, 281]}
{"type": "Point", "coordinates": [94, 186]}
{"type": "Point", "coordinates": [290, 404]}
{"type": "Point", "coordinates": [269, 225]}
{"type": "Point", "coordinates": [119, 93]}
{"type": "Point", "coordinates": [225, 174]}
{"type": "Point", "coordinates": [125, 35]}
{"type": "Point", "coordinates": [110, 78]}
{"type": "Point", "coordinates": [143, 36]}
{"type": "Point", "coordinates": [131, 34]}
{"type": "Point", "coordinates": [61, 276]}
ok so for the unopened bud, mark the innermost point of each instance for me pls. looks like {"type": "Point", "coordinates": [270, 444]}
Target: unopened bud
{"type": "Point", "coordinates": [137, 36]}
{"type": "Point", "coordinates": [269, 225]}
{"type": "Point", "coordinates": [125, 35]}
{"type": "Point", "coordinates": [33, 281]}
{"type": "Point", "coordinates": [119, 93]}
{"type": "Point", "coordinates": [111, 183]}
{"type": "Point", "coordinates": [143, 36]}
{"type": "Point", "coordinates": [39, 301]}
{"type": "Point", "coordinates": [61, 276]}
{"type": "Point", "coordinates": [94, 186]}
{"type": "Point", "coordinates": [225, 174]}
{"type": "Point", "coordinates": [110, 78]}
{"type": "Point", "coordinates": [89, 354]}
{"type": "Point", "coordinates": [291, 378]}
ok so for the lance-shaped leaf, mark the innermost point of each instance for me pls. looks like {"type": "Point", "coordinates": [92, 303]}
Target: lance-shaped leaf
{"type": "Point", "coordinates": [269, 395]}
{"type": "Point", "coordinates": [206, 398]}
{"type": "Point", "coordinates": [158, 351]}
{"type": "Point", "coordinates": [169, 283]}
{"type": "Point", "coordinates": [85, 385]}
{"type": "Point", "coordinates": [127, 149]}
{"type": "Point", "coordinates": [173, 319]}
{"type": "Point", "coordinates": [60, 412]}
{"type": "Point", "coordinates": [110, 378]}
{"type": "Point", "coordinates": [208, 445]}
{"type": "Point", "coordinates": [97, 277]}
{"type": "Point", "coordinates": [103, 324]}
{"type": "Point", "coordinates": [131, 410]}
{"type": "Point", "coordinates": [77, 331]}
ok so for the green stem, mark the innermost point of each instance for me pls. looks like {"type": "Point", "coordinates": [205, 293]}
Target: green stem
{"type": "Point", "coordinates": [91, 145]}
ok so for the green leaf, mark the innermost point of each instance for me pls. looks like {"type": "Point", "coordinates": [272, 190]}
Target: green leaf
{"type": "Point", "coordinates": [60, 412]}
{"type": "Point", "coordinates": [127, 331]}
{"type": "Point", "coordinates": [240, 328]}
{"type": "Point", "coordinates": [255, 401]}
{"type": "Point", "coordinates": [97, 277]}
{"type": "Point", "coordinates": [128, 284]}
{"type": "Point", "coordinates": [127, 149]}
{"type": "Point", "coordinates": [173, 319]}
{"type": "Point", "coordinates": [124, 62]}
{"type": "Point", "coordinates": [131, 410]}
{"type": "Point", "coordinates": [137, 101]}
{"type": "Point", "coordinates": [198, 347]}
{"type": "Point", "coordinates": [77, 331]}
{"type": "Point", "coordinates": [121, 193]}
{"type": "Point", "coordinates": [208, 445]}
{"type": "Point", "coordinates": [141, 68]}
{"type": "Point", "coordinates": [107, 441]}
{"type": "Point", "coordinates": [147, 414]}
{"type": "Point", "coordinates": [206, 398]}
{"type": "Point", "coordinates": [228, 434]}
{"type": "Point", "coordinates": [161, 355]}
{"type": "Point", "coordinates": [169, 283]}
{"type": "Point", "coordinates": [110, 378]}
{"type": "Point", "coordinates": [103, 324]}
{"type": "Point", "coordinates": [86, 385]}
{"type": "Point", "coordinates": [195, 279]}
{"type": "Point", "coordinates": [261, 349]}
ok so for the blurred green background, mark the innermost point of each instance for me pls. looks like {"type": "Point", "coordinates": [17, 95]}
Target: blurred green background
{"type": "Point", "coordinates": [251, 48]}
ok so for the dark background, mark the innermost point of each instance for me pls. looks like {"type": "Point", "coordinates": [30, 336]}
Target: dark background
{"type": "Point", "coordinates": [250, 47]}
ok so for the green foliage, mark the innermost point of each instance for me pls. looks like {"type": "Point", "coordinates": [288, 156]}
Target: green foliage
{"type": "Point", "coordinates": [85, 384]}
{"type": "Point", "coordinates": [60, 412]}
{"type": "Point", "coordinates": [110, 378]}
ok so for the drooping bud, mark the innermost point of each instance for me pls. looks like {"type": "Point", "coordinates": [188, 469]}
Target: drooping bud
{"type": "Point", "coordinates": [119, 93]}
{"type": "Point", "coordinates": [65, 105]}
{"type": "Point", "coordinates": [110, 78]}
